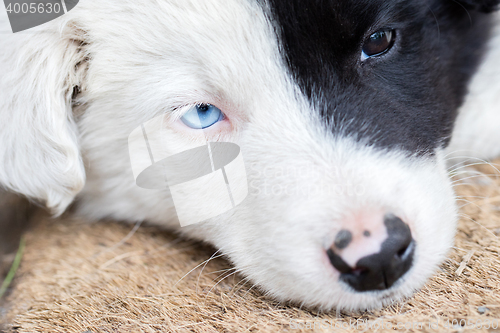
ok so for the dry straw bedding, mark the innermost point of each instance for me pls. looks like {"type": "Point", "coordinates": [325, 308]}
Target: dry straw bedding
{"type": "Point", "coordinates": [80, 277]}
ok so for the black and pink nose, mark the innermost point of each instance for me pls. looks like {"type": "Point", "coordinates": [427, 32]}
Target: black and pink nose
{"type": "Point", "coordinates": [375, 256]}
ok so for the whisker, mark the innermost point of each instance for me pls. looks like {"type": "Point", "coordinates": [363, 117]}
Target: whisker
{"type": "Point", "coordinates": [484, 162]}
{"type": "Point", "coordinates": [254, 285]}
{"type": "Point", "coordinates": [461, 165]}
{"type": "Point", "coordinates": [447, 156]}
{"type": "Point", "coordinates": [123, 241]}
{"type": "Point", "coordinates": [466, 10]}
{"type": "Point", "coordinates": [468, 202]}
{"type": "Point", "coordinates": [222, 270]}
{"type": "Point", "coordinates": [479, 224]}
{"type": "Point", "coordinates": [459, 248]}
{"type": "Point", "coordinates": [204, 262]}
{"type": "Point", "coordinates": [437, 23]}
{"type": "Point", "coordinates": [215, 285]}
{"type": "Point", "coordinates": [474, 172]}
{"type": "Point", "coordinates": [245, 280]}
{"type": "Point", "coordinates": [205, 265]}
{"type": "Point", "coordinates": [471, 177]}
{"type": "Point", "coordinates": [470, 196]}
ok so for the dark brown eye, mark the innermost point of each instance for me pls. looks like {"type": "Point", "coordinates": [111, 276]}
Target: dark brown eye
{"type": "Point", "coordinates": [378, 43]}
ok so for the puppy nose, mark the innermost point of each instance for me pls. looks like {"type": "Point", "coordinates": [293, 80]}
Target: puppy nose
{"type": "Point", "coordinates": [373, 258]}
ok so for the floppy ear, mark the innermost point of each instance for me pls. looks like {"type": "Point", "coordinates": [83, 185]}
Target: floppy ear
{"type": "Point", "coordinates": [39, 150]}
{"type": "Point", "coordinates": [485, 6]}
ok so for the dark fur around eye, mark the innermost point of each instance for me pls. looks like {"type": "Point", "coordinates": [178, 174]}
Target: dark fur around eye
{"type": "Point", "coordinates": [407, 101]}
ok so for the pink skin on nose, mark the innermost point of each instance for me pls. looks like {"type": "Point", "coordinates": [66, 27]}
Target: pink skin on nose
{"type": "Point", "coordinates": [368, 232]}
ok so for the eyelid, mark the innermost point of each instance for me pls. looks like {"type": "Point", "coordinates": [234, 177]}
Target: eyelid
{"type": "Point", "coordinates": [179, 112]}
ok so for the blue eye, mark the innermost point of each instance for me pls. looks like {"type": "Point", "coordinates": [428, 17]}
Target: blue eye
{"type": "Point", "coordinates": [202, 116]}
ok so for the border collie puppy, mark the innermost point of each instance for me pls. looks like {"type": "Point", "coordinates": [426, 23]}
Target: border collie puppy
{"type": "Point", "coordinates": [343, 111]}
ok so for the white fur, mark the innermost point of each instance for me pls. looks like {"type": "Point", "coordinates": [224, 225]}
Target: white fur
{"type": "Point", "coordinates": [476, 132]}
{"type": "Point", "coordinates": [39, 154]}
{"type": "Point", "coordinates": [137, 60]}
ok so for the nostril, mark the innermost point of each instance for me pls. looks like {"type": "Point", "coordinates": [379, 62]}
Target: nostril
{"type": "Point", "coordinates": [402, 251]}
{"type": "Point", "coordinates": [338, 262]}
{"type": "Point", "coordinates": [400, 241]}
{"type": "Point", "coordinates": [405, 251]}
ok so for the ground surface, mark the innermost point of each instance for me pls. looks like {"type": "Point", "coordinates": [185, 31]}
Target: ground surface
{"type": "Point", "coordinates": [80, 277]}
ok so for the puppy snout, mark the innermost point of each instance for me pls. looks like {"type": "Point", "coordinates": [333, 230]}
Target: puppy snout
{"type": "Point", "coordinates": [373, 253]}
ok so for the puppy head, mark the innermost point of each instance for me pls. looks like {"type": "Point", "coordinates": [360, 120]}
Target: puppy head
{"type": "Point", "coordinates": [341, 112]}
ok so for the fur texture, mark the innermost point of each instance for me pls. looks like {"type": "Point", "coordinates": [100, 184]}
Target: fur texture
{"type": "Point", "coordinates": [322, 138]}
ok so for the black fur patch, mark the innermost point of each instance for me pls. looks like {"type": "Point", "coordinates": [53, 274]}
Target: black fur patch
{"type": "Point", "coordinates": [406, 98]}
{"type": "Point", "coordinates": [486, 6]}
